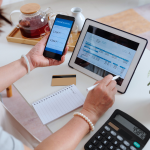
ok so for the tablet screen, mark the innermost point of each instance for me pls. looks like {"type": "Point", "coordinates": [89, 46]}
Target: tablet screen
{"type": "Point", "coordinates": [106, 53]}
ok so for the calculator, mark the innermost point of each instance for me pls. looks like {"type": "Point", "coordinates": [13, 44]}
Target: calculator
{"type": "Point", "coordinates": [120, 132]}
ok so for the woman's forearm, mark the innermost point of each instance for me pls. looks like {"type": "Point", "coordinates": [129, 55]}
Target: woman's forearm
{"type": "Point", "coordinates": [68, 137]}
{"type": "Point", "coordinates": [12, 72]}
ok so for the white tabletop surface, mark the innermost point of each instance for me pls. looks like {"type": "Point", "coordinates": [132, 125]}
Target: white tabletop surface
{"type": "Point", "coordinates": [135, 102]}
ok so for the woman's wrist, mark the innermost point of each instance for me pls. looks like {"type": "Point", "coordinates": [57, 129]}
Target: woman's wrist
{"type": "Point", "coordinates": [24, 64]}
{"type": "Point", "coordinates": [93, 118]}
{"type": "Point", "coordinates": [30, 62]}
{"type": "Point", "coordinates": [82, 123]}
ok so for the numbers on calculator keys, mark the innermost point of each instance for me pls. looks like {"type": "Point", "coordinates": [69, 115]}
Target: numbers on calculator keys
{"type": "Point", "coordinates": [107, 128]}
{"type": "Point", "coordinates": [109, 137]}
{"type": "Point", "coordinates": [119, 138]}
{"type": "Point", "coordinates": [105, 142]}
{"type": "Point", "coordinates": [90, 146]}
{"type": "Point", "coordinates": [103, 133]}
{"type": "Point", "coordinates": [132, 148]}
{"type": "Point", "coordinates": [101, 147]}
{"type": "Point", "coordinates": [126, 143]}
{"type": "Point", "coordinates": [111, 147]}
{"type": "Point", "coordinates": [113, 133]}
{"type": "Point", "coordinates": [95, 149]}
{"type": "Point", "coordinates": [116, 143]}
{"type": "Point", "coordinates": [95, 142]}
{"type": "Point", "coordinates": [123, 147]}
{"type": "Point", "coordinates": [99, 137]}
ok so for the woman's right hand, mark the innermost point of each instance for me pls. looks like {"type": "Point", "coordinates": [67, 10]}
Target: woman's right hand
{"type": "Point", "coordinates": [36, 58]}
{"type": "Point", "coordinates": [100, 99]}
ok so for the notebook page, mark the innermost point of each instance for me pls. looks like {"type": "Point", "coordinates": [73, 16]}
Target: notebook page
{"type": "Point", "coordinates": [58, 103]}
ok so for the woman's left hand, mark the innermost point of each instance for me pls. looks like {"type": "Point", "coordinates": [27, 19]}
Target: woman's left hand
{"type": "Point", "coordinates": [36, 58]}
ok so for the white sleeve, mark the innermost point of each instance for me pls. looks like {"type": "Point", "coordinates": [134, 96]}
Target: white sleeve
{"type": "Point", "coordinates": [8, 142]}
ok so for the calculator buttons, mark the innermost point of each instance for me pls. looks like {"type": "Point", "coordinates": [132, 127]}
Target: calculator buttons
{"type": "Point", "coordinates": [105, 142]}
{"type": "Point", "coordinates": [95, 149]}
{"type": "Point", "coordinates": [90, 146]}
{"type": "Point", "coordinates": [107, 128]}
{"type": "Point", "coordinates": [111, 147]}
{"type": "Point", "coordinates": [103, 133]}
{"type": "Point", "coordinates": [113, 133]}
{"type": "Point", "coordinates": [119, 138]}
{"type": "Point", "coordinates": [126, 143]}
{"type": "Point", "coordinates": [123, 147]}
{"type": "Point", "coordinates": [109, 137]}
{"type": "Point", "coordinates": [132, 148]}
{"type": "Point", "coordinates": [99, 137]}
{"type": "Point", "coordinates": [101, 147]}
{"type": "Point", "coordinates": [115, 142]}
{"type": "Point", "coordinates": [95, 142]}
{"type": "Point", "coordinates": [137, 145]}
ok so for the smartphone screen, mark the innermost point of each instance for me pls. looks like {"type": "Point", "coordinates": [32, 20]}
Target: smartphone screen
{"type": "Point", "coordinates": [58, 38]}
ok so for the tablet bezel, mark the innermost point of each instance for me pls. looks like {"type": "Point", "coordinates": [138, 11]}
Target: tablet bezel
{"type": "Point", "coordinates": [142, 45]}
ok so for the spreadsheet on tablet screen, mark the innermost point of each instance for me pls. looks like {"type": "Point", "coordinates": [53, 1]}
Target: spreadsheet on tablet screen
{"type": "Point", "coordinates": [106, 53]}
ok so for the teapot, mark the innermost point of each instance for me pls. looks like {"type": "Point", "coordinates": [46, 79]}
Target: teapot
{"type": "Point", "coordinates": [33, 22]}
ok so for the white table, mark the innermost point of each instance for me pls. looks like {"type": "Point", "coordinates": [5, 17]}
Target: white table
{"type": "Point", "coordinates": [135, 102]}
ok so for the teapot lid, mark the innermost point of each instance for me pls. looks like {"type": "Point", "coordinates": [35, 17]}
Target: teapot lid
{"type": "Point", "coordinates": [30, 8]}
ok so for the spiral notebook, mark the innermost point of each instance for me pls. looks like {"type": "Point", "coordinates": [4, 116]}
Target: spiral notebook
{"type": "Point", "coordinates": [58, 103]}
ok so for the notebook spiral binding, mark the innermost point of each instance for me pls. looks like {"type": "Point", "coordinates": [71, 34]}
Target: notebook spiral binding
{"type": "Point", "coordinates": [51, 95]}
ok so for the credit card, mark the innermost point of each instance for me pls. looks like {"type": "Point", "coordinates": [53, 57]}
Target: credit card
{"type": "Point", "coordinates": [63, 80]}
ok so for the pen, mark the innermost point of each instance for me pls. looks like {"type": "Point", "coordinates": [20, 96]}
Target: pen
{"type": "Point", "coordinates": [92, 87]}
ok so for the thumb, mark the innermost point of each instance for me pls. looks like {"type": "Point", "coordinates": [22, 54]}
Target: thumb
{"type": "Point", "coordinates": [44, 40]}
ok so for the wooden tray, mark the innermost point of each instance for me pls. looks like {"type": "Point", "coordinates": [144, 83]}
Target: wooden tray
{"type": "Point", "coordinates": [16, 37]}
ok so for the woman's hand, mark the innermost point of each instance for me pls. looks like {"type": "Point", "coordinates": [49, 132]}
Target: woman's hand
{"type": "Point", "coordinates": [36, 58]}
{"type": "Point", "coordinates": [100, 99]}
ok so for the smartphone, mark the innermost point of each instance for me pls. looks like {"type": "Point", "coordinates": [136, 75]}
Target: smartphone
{"type": "Point", "coordinates": [58, 37]}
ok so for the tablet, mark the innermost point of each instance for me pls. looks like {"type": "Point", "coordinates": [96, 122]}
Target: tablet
{"type": "Point", "coordinates": [102, 50]}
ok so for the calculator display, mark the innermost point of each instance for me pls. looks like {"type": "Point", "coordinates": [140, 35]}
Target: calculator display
{"type": "Point", "coordinates": [134, 129]}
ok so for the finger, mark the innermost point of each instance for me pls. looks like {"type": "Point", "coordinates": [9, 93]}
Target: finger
{"type": "Point", "coordinates": [111, 85]}
{"type": "Point", "coordinates": [58, 62]}
{"type": "Point", "coordinates": [66, 50]}
{"type": "Point", "coordinates": [53, 62]}
{"type": "Point", "coordinates": [44, 39]}
{"type": "Point", "coordinates": [97, 82]}
{"type": "Point", "coordinates": [105, 80]}
{"type": "Point", "coordinates": [114, 90]}
{"type": "Point", "coordinates": [62, 59]}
